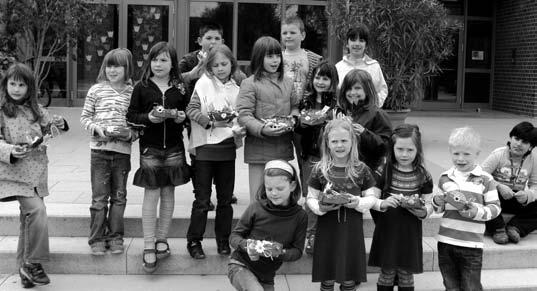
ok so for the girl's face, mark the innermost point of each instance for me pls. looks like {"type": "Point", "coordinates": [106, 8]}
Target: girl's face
{"type": "Point", "coordinates": [405, 151]}
{"type": "Point", "coordinates": [161, 65]}
{"type": "Point", "coordinates": [518, 146]}
{"type": "Point", "coordinates": [221, 67]}
{"type": "Point", "coordinates": [279, 189]}
{"type": "Point", "coordinates": [339, 144]}
{"type": "Point", "coordinates": [321, 83]}
{"type": "Point", "coordinates": [355, 94]}
{"type": "Point", "coordinates": [16, 89]}
{"type": "Point", "coordinates": [356, 47]}
{"type": "Point", "coordinates": [271, 63]}
{"type": "Point", "coordinates": [115, 74]}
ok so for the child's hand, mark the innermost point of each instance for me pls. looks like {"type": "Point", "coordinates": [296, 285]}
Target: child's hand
{"type": "Point", "coordinates": [439, 199]}
{"type": "Point", "coordinates": [521, 197]}
{"type": "Point", "coordinates": [506, 192]}
{"type": "Point", "coordinates": [358, 128]}
{"type": "Point", "coordinates": [271, 129]}
{"type": "Point", "coordinates": [355, 200]}
{"type": "Point", "coordinates": [328, 207]}
{"type": "Point", "coordinates": [99, 131]}
{"type": "Point", "coordinates": [20, 151]}
{"type": "Point", "coordinates": [391, 201]}
{"type": "Point", "coordinates": [58, 121]}
{"type": "Point", "coordinates": [155, 119]}
{"type": "Point", "coordinates": [470, 211]}
{"type": "Point", "coordinates": [181, 116]}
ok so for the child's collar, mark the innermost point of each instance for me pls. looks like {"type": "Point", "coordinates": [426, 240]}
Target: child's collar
{"type": "Point", "coordinates": [476, 172]}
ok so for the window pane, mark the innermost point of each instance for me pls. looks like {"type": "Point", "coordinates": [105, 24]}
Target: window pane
{"type": "Point", "coordinates": [315, 24]}
{"type": "Point", "coordinates": [210, 12]}
{"type": "Point", "coordinates": [454, 7]}
{"type": "Point", "coordinates": [480, 8]}
{"type": "Point", "coordinates": [55, 82]}
{"type": "Point", "coordinates": [477, 87]}
{"type": "Point", "coordinates": [478, 45]}
{"type": "Point", "coordinates": [93, 43]}
{"type": "Point", "coordinates": [256, 20]}
{"type": "Point", "coordinates": [146, 25]}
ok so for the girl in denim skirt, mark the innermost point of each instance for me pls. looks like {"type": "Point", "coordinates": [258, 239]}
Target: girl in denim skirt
{"type": "Point", "coordinates": [157, 107]}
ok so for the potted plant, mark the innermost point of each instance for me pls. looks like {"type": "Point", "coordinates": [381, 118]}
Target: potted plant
{"type": "Point", "coordinates": [409, 38]}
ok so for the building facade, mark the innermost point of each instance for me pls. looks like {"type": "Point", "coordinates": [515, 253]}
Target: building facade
{"type": "Point", "coordinates": [493, 64]}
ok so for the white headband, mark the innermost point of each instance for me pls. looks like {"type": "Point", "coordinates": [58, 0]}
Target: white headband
{"type": "Point", "coordinates": [279, 164]}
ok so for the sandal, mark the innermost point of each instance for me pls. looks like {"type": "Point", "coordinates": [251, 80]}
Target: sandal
{"type": "Point", "coordinates": [161, 254]}
{"type": "Point", "coordinates": [149, 267]}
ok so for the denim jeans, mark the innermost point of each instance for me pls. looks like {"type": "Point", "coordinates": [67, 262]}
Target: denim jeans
{"type": "Point", "coordinates": [244, 280]}
{"type": "Point", "coordinates": [109, 172]}
{"type": "Point", "coordinates": [525, 219]}
{"type": "Point", "coordinates": [460, 267]}
{"type": "Point", "coordinates": [33, 244]}
{"type": "Point", "coordinates": [223, 173]}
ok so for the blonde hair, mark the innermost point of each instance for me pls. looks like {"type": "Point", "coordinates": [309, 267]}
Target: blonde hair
{"type": "Point", "coordinates": [327, 160]}
{"type": "Point", "coordinates": [120, 57]}
{"type": "Point", "coordinates": [464, 137]}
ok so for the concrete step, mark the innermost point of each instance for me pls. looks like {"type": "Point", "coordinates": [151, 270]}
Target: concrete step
{"type": "Point", "coordinates": [71, 255]}
{"type": "Point", "coordinates": [67, 219]}
{"type": "Point", "coordinates": [492, 280]}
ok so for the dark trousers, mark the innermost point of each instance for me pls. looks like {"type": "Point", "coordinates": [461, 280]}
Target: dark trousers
{"type": "Point", "coordinates": [223, 174]}
{"type": "Point", "coordinates": [460, 267]}
{"type": "Point", "coordinates": [525, 219]}
{"type": "Point", "coordinates": [109, 172]}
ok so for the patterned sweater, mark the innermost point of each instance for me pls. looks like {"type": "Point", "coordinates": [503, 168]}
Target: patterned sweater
{"type": "Point", "coordinates": [104, 107]}
{"type": "Point", "coordinates": [477, 186]}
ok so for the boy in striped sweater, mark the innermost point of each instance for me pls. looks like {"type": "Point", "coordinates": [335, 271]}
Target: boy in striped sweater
{"type": "Point", "coordinates": [468, 198]}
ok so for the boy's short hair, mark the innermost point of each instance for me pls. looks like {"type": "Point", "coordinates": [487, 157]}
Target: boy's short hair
{"type": "Point", "coordinates": [359, 32]}
{"type": "Point", "coordinates": [526, 132]}
{"type": "Point", "coordinates": [465, 137]}
{"type": "Point", "coordinates": [210, 26]}
{"type": "Point", "coordinates": [294, 20]}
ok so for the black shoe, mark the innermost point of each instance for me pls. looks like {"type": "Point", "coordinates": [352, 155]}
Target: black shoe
{"type": "Point", "coordinates": [195, 250]}
{"type": "Point", "coordinates": [211, 206]}
{"type": "Point", "coordinates": [33, 274]}
{"type": "Point", "coordinates": [234, 199]}
{"type": "Point", "coordinates": [223, 247]}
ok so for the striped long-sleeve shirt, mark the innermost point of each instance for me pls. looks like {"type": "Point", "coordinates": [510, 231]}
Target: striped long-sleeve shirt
{"type": "Point", "coordinates": [104, 107]}
{"type": "Point", "coordinates": [478, 187]}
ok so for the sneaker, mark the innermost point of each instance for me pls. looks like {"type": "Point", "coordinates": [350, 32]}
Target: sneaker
{"type": "Point", "coordinates": [116, 247]}
{"type": "Point", "coordinates": [195, 250]}
{"type": "Point", "coordinates": [211, 206]}
{"type": "Point", "coordinates": [309, 244]}
{"type": "Point", "coordinates": [500, 237]}
{"type": "Point", "coordinates": [223, 247]}
{"type": "Point", "coordinates": [98, 249]}
{"type": "Point", "coordinates": [513, 234]}
{"type": "Point", "coordinates": [33, 274]}
{"type": "Point", "coordinates": [234, 199]}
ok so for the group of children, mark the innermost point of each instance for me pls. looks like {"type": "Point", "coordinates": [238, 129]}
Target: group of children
{"type": "Point", "coordinates": [354, 152]}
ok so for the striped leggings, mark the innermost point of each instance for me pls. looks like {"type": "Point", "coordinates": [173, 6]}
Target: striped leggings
{"type": "Point", "coordinates": [387, 278]}
{"type": "Point", "coordinates": [345, 286]}
{"type": "Point", "coordinates": [152, 230]}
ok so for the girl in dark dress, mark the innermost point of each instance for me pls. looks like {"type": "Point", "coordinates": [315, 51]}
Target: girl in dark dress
{"type": "Point", "coordinates": [397, 240]}
{"type": "Point", "coordinates": [339, 253]}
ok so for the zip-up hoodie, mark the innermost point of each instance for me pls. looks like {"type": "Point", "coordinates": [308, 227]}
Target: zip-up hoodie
{"type": "Point", "coordinates": [157, 135]}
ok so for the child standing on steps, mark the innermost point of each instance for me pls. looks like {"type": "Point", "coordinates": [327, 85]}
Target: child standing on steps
{"type": "Point", "coordinates": [265, 95]}
{"type": "Point", "coordinates": [157, 104]}
{"type": "Point", "coordinates": [213, 145]}
{"type": "Point", "coordinates": [339, 253]}
{"type": "Point", "coordinates": [397, 240]}
{"type": "Point", "coordinates": [320, 93]}
{"type": "Point", "coordinates": [104, 116]}
{"type": "Point", "coordinates": [274, 217]}
{"type": "Point", "coordinates": [24, 125]}
{"type": "Point", "coordinates": [460, 237]}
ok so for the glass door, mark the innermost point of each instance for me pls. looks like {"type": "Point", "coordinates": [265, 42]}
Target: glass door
{"type": "Point", "coordinates": [147, 24]}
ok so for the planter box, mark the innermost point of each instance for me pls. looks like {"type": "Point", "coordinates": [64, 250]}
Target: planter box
{"type": "Point", "coordinates": [397, 117]}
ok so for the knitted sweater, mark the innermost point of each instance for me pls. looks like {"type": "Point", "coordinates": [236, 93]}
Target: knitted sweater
{"type": "Point", "coordinates": [104, 106]}
{"type": "Point", "coordinates": [478, 187]}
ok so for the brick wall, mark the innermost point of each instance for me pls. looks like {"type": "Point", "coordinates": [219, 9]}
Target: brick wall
{"type": "Point", "coordinates": [515, 79]}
